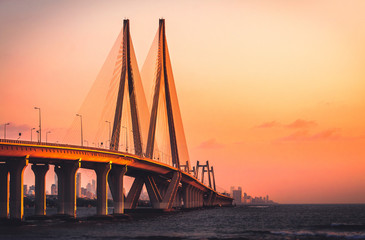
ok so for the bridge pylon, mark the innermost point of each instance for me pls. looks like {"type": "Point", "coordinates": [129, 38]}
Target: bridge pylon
{"type": "Point", "coordinates": [127, 85]}
{"type": "Point", "coordinates": [164, 84]}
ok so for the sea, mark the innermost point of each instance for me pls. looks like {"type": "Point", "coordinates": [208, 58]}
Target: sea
{"type": "Point", "coordinates": [239, 222]}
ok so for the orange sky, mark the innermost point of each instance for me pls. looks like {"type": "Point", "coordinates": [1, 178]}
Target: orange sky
{"type": "Point", "coordinates": [270, 92]}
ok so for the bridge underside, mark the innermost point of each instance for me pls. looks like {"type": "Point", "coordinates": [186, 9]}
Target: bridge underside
{"type": "Point", "coordinates": [167, 187]}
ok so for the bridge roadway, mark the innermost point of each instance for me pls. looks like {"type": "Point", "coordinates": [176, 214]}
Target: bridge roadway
{"type": "Point", "coordinates": [168, 187]}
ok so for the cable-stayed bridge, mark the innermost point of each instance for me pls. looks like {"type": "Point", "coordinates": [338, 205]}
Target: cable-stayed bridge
{"type": "Point", "coordinates": [158, 158]}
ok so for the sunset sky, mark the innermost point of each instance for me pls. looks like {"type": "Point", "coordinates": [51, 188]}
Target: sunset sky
{"type": "Point", "coordinates": [272, 93]}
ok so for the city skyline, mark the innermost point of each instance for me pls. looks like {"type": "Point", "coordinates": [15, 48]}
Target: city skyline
{"type": "Point", "coordinates": [270, 94]}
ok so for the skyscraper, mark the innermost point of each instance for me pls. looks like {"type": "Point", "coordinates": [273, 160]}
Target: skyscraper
{"type": "Point", "coordinates": [78, 185]}
{"type": "Point", "coordinates": [53, 189]}
{"type": "Point", "coordinates": [56, 181]}
{"type": "Point", "coordinates": [93, 186]}
{"type": "Point", "coordinates": [25, 189]}
{"type": "Point", "coordinates": [237, 195]}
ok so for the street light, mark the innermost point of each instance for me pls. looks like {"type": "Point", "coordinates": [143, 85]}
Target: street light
{"type": "Point", "coordinates": [47, 135]}
{"type": "Point", "coordinates": [6, 124]}
{"type": "Point", "coordinates": [31, 134]}
{"type": "Point", "coordinates": [109, 134]}
{"type": "Point", "coordinates": [82, 140]}
{"type": "Point", "coordinates": [126, 138]}
{"type": "Point", "coordinates": [40, 124]}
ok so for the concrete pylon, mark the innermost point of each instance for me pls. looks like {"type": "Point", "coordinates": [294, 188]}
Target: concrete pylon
{"type": "Point", "coordinates": [185, 195]}
{"type": "Point", "coordinates": [134, 193]}
{"type": "Point", "coordinates": [102, 170]}
{"type": "Point", "coordinates": [4, 191]}
{"type": "Point", "coordinates": [66, 173]}
{"type": "Point", "coordinates": [162, 197]}
{"type": "Point", "coordinates": [40, 188]}
{"type": "Point", "coordinates": [16, 169]}
{"type": "Point", "coordinates": [60, 193]}
{"type": "Point", "coordinates": [115, 180]}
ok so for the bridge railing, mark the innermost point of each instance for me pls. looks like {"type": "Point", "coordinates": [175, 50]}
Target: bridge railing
{"type": "Point", "coordinates": [50, 144]}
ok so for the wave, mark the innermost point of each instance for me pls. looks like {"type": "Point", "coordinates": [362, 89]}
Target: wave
{"type": "Point", "coordinates": [322, 234]}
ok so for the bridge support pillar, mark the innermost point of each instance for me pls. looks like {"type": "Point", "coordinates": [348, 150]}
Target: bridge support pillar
{"type": "Point", "coordinates": [134, 193]}
{"type": "Point", "coordinates": [102, 171]}
{"type": "Point", "coordinates": [194, 197]}
{"type": "Point", "coordinates": [170, 194]}
{"type": "Point", "coordinates": [115, 179]}
{"type": "Point", "coordinates": [197, 198]}
{"type": "Point", "coordinates": [185, 195]}
{"type": "Point", "coordinates": [16, 169]}
{"type": "Point", "coordinates": [4, 191]}
{"type": "Point", "coordinates": [60, 191]}
{"type": "Point", "coordinates": [200, 198]}
{"type": "Point", "coordinates": [66, 174]}
{"type": "Point", "coordinates": [40, 188]}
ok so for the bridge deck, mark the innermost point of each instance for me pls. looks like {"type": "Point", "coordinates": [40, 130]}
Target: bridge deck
{"type": "Point", "coordinates": [55, 153]}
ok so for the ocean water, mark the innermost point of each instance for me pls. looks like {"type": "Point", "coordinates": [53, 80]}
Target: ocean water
{"type": "Point", "coordinates": [241, 222]}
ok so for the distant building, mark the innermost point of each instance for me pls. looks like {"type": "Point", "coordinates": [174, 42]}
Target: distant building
{"type": "Point", "coordinates": [78, 185]}
{"type": "Point", "coordinates": [25, 189]}
{"type": "Point", "coordinates": [93, 190]}
{"type": "Point", "coordinates": [231, 191]}
{"type": "Point", "coordinates": [89, 187]}
{"type": "Point", "coordinates": [53, 189]}
{"type": "Point", "coordinates": [237, 196]}
{"type": "Point", "coordinates": [31, 190]}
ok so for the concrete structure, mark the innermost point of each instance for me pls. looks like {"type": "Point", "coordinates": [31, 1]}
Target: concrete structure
{"type": "Point", "coordinates": [78, 185]}
{"type": "Point", "coordinates": [40, 188]}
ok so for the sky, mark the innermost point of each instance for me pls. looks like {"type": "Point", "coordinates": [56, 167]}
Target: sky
{"type": "Point", "coordinates": [270, 92]}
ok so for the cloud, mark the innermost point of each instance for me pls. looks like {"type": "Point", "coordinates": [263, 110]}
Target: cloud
{"type": "Point", "coordinates": [211, 143]}
{"type": "Point", "coordinates": [330, 134]}
{"type": "Point", "coordinates": [326, 135]}
{"type": "Point", "coordinates": [269, 125]}
{"type": "Point", "coordinates": [300, 123]}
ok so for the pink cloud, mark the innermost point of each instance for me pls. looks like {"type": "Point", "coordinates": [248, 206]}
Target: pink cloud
{"type": "Point", "coordinates": [269, 125]}
{"type": "Point", "coordinates": [211, 143]}
{"type": "Point", "coordinates": [330, 134]}
{"type": "Point", "coordinates": [300, 123]}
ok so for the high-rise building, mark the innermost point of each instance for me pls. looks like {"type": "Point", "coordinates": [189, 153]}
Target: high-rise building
{"type": "Point", "coordinates": [25, 189]}
{"type": "Point", "coordinates": [231, 191]}
{"type": "Point", "coordinates": [237, 195]}
{"type": "Point", "coordinates": [53, 189]}
{"type": "Point", "coordinates": [55, 180]}
{"type": "Point", "coordinates": [89, 187]}
{"type": "Point", "coordinates": [78, 185]}
{"type": "Point", "coordinates": [93, 186]}
{"type": "Point", "coordinates": [31, 190]}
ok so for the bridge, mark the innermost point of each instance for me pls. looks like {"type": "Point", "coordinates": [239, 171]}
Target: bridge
{"type": "Point", "coordinates": [170, 184]}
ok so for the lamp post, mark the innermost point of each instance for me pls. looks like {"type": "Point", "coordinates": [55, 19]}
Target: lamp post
{"type": "Point", "coordinates": [6, 124]}
{"type": "Point", "coordinates": [126, 138]}
{"type": "Point", "coordinates": [31, 134]}
{"type": "Point", "coordinates": [40, 124]}
{"type": "Point", "coordinates": [82, 139]}
{"type": "Point", "coordinates": [109, 134]}
{"type": "Point", "coordinates": [47, 135]}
